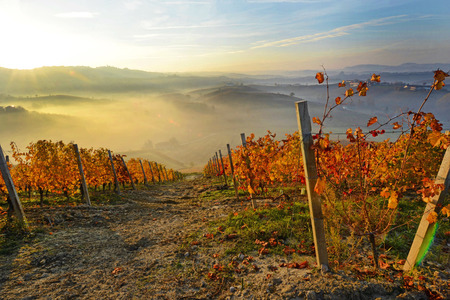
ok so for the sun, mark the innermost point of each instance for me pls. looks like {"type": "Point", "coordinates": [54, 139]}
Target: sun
{"type": "Point", "coordinates": [27, 45]}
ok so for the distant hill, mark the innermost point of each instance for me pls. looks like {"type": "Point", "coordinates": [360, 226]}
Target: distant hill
{"type": "Point", "coordinates": [403, 68]}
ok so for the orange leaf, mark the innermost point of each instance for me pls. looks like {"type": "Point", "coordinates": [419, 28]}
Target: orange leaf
{"type": "Point", "coordinates": [316, 120]}
{"type": "Point", "coordinates": [320, 186]}
{"type": "Point", "coordinates": [384, 265]}
{"type": "Point", "coordinates": [393, 200]}
{"type": "Point", "coordinates": [342, 84]}
{"type": "Point", "coordinates": [439, 85]}
{"type": "Point", "coordinates": [446, 210]}
{"type": "Point", "coordinates": [372, 121]}
{"type": "Point", "coordinates": [440, 75]}
{"type": "Point", "coordinates": [396, 125]}
{"type": "Point", "coordinates": [320, 77]}
{"type": "Point", "coordinates": [375, 78]}
{"type": "Point", "coordinates": [432, 217]}
{"type": "Point", "coordinates": [338, 100]}
{"type": "Point", "coordinates": [349, 93]}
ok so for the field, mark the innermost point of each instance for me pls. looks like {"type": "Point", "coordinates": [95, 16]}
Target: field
{"type": "Point", "coordinates": [192, 239]}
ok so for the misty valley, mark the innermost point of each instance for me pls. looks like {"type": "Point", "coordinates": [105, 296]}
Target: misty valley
{"type": "Point", "coordinates": [180, 119]}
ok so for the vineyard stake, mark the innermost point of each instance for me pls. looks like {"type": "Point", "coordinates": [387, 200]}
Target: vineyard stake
{"type": "Point", "coordinates": [424, 233]}
{"type": "Point", "coordinates": [159, 173]}
{"type": "Point", "coordinates": [143, 172]}
{"type": "Point", "coordinates": [13, 196]}
{"type": "Point", "coordinates": [151, 171]}
{"type": "Point", "coordinates": [165, 174]}
{"type": "Point", "coordinates": [232, 172]}
{"type": "Point", "coordinates": [314, 201]}
{"type": "Point", "coordinates": [116, 182]}
{"type": "Point", "coordinates": [83, 179]}
{"type": "Point", "coordinates": [223, 168]}
{"type": "Point", "coordinates": [244, 144]}
{"type": "Point", "coordinates": [128, 172]}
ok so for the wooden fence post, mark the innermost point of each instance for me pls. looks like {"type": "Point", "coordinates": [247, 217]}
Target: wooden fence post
{"type": "Point", "coordinates": [14, 198]}
{"type": "Point", "coordinates": [223, 168]}
{"type": "Point", "coordinates": [143, 172]}
{"type": "Point", "coordinates": [128, 172]}
{"type": "Point", "coordinates": [314, 201]}
{"type": "Point", "coordinates": [165, 174]}
{"type": "Point", "coordinates": [247, 161]}
{"type": "Point", "coordinates": [232, 173]}
{"type": "Point", "coordinates": [244, 142]}
{"type": "Point", "coordinates": [116, 182]}
{"type": "Point", "coordinates": [424, 234]}
{"type": "Point", "coordinates": [151, 171]}
{"type": "Point", "coordinates": [83, 179]}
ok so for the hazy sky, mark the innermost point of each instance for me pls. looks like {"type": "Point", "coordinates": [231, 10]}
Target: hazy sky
{"type": "Point", "coordinates": [220, 35]}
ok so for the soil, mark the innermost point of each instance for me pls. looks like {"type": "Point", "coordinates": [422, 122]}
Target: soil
{"type": "Point", "coordinates": [144, 248]}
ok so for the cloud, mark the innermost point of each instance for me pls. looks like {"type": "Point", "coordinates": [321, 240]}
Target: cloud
{"type": "Point", "coordinates": [132, 4]}
{"type": "Point", "coordinates": [288, 1]}
{"type": "Point", "coordinates": [339, 31]}
{"type": "Point", "coordinates": [77, 15]}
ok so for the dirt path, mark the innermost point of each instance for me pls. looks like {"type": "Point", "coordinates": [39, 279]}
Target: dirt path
{"type": "Point", "coordinates": [138, 250]}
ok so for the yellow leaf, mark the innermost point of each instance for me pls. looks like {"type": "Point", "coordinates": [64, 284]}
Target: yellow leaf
{"type": "Point", "coordinates": [320, 186]}
{"type": "Point", "coordinates": [250, 190]}
{"type": "Point", "coordinates": [372, 121]}
{"type": "Point", "coordinates": [375, 78]}
{"type": "Point", "coordinates": [435, 139]}
{"type": "Point", "coordinates": [349, 93]}
{"type": "Point", "coordinates": [385, 193]}
{"type": "Point", "coordinates": [439, 85]}
{"type": "Point", "coordinates": [432, 217]}
{"type": "Point", "coordinates": [393, 200]}
{"type": "Point", "coordinates": [320, 77]}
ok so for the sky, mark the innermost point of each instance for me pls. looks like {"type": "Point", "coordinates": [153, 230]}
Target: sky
{"type": "Point", "coordinates": [222, 36]}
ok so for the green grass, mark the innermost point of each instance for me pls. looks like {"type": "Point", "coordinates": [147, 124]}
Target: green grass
{"type": "Point", "coordinates": [287, 224]}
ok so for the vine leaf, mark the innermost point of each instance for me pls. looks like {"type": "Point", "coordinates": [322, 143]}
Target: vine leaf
{"type": "Point", "coordinates": [320, 77]}
{"type": "Point", "coordinates": [372, 121]}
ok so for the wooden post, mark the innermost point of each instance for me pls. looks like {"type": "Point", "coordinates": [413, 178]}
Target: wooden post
{"type": "Point", "coordinates": [247, 161]}
{"type": "Point", "coordinates": [223, 168]}
{"type": "Point", "coordinates": [128, 172]}
{"type": "Point", "coordinates": [315, 208]}
{"type": "Point", "coordinates": [158, 172]}
{"type": "Point", "coordinates": [165, 174]}
{"type": "Point", "coordinates": [151, 171]}
{"type": "Point", "coordinates": [244, 141]}
{"type": "Point", "coordinates": [13, 196]}
{"type": "Point", "coordinates": [424, 234]}
{"type": "Point", "coordinates": [83, 179]}
{"type": "Point", "coordinates": [143, 172]}
{"type": "Point", "coordinates": [116, 182]}
{"type": "Point", "coordinates": [232, 173]}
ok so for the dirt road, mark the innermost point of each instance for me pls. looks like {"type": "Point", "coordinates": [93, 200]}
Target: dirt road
{"type": "Point", "coordinates": [140, 249]}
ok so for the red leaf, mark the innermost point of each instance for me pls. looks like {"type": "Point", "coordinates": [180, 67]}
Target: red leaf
{"type": "Point", "coordinates": [320, 77]}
